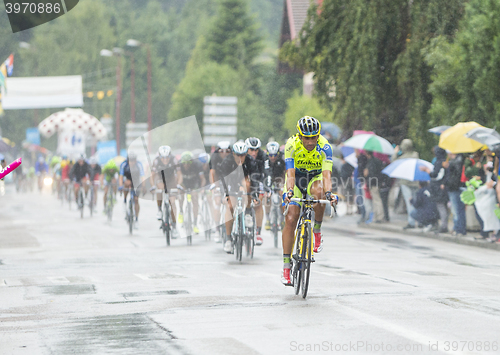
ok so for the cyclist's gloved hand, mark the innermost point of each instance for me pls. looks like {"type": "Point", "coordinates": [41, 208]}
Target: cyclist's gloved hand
{"type": "Point", "coordinates": [152, 189]}
{"type": "Point", "coordinates": [288, 195]}
{"type": "Point", "coordinates": [212, 186]}
{"type": "Point", "coordinates": [332, 197]}
{"type": "Point", "coordinates": [179, 187]}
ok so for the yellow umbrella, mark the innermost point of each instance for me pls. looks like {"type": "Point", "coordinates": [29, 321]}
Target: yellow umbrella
{"type": "Point", "coordinates": [453, 138]}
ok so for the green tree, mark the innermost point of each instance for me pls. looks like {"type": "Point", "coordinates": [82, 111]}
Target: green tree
{"type": "Point", "coordinates": [233, 37]}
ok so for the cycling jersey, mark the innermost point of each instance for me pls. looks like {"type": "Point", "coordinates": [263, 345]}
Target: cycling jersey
{"type": "Point", "coordinates": [215, 162]}
{"type": "Point", "coordinates": [313, 162]}
{"type": "Point", "coordinates": [132, 172]}
{"type": "Point", "coordinates": [308, 165]}
{"type": "Point", "coordinates": [276, 170]}
{"type": "Point", "coordinates": [109, 170]}
{"type": "Point", "coordinates": [258, 167]}
{"type": "Point", "coordinates": [95, 172]}
{"type": "Point", "coordinates": [78, 172]}
{"type": "Point", "coordinates": [168, 169]}
{"type": "Point", "coordinates": [41, 168]}
{"type": "Point", "coordinates": [227, 167]}
{"type": "Point", "coordinates": [191, 174]}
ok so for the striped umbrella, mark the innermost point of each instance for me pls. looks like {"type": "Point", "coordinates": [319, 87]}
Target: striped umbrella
{"type": "Point", "coordinates": [370, 142]}
{"type": "Point", "coordinates": [438, 130]}
{"type": "Point", "coordinates": [408, 169]}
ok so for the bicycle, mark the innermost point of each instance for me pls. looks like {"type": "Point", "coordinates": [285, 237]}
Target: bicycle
{"type": "Point", "coordinates": [302, 254]}
{"type": "Point", "coordinates": [242, 232]}
{"type": "Point", "coordinates": [110, 201]}
{"type": "Point", "coordinates": [69, 194]}
{"type": "Point", "coordinates": [188, 222]}
{"type": "Point", "coordinates": [222, 225]}
{"type": "Point", "coordinates": [275, 214]}
{"type": "Point", "coordinates": [166, 210]}
{"type": "Point", "coordinates": [130, 217]}
{"type": "Point", "coordinates": [206, 215]}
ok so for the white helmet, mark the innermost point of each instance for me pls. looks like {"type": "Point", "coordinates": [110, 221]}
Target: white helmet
{"type": "Point", "coordinates": [204, 158]}
{"type": "Point", "coordinates": [253, 143]}
{"type": "Point", "coordinates": [273, 148]}
{"type": "Point", "coordinates": [223, 144]}
{"type": "Point", "coordinates": [240, 148]}
{"type": "Point", "coordinates": [93, 160]}
{"type": "Point", "coordinates": [164, 151]}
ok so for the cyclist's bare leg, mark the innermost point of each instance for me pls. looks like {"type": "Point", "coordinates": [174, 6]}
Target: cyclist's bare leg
{"type": "Point", "coordinates": [105, 194]}
{"type": "Point", "coordinates": [137, 207]}
{"type": "Point", "coordinates": [77, 189]}
{"type": "Point", "coordinates": [159, 196]}
{"type": "Point", "coordinates": [127, 184]}
{"type": "Point", "coordinates": [216, 209]}
{"type": "Point", "coordinates": [317, 192]}
{"type": "Point", "coordinates": [259, 212]}
{"type": "Point", "coordinates": [173, 209]}
{"type": "Point", "coordinates": [229, 217]}
{"type": "Point", "coordinates": [288, 231]}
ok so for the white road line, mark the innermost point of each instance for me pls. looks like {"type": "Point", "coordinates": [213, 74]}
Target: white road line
{"type": "Point", "coordinates": [395, 329]}
{"type": "Point", "coordinates": [58, 279]}
{"type": "Point", "coordinates": [143, 277]}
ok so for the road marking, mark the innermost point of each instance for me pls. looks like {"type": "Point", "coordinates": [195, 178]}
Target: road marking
{"type": "Point", "coordinates": [3, 283]}
{"type": "Point", "coordinates": [58, 279]}
{"type": "Point", "coordinates": [324, 273]}
{"type": "Point", "coordinates": [393, 328]}
{"type": "Point", "coordinates": [144, 277]}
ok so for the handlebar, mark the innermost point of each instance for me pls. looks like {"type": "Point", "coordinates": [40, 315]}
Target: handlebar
{"type": "Point", "coordinates": [301, 200]}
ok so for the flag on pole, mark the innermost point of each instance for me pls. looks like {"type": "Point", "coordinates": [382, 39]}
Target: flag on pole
{"type": "Point", "coordinates": [9, 63]}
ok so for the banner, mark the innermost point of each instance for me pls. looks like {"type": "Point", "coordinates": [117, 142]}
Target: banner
{"type": "Point", "coordinates": [106, 151]}
{"type": "Point", "coordinates": [42, 92]}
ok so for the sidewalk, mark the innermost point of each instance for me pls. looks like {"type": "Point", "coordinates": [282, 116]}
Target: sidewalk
{"type": "Point", "coordinates": [398, 221]}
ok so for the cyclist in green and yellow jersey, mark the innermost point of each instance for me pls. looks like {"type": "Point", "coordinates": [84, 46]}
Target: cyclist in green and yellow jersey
{"type": "Point", "coordinates": [308, 162]}
{"type": "Point", "coordinates": [109, 173]}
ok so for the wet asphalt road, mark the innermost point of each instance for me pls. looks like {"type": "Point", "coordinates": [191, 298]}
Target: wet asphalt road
{"type": "Point", "coordinates": [85, 286]}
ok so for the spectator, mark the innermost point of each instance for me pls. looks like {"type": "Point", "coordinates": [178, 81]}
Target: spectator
{"type": "Point", "coordinates": [346, 184]}
{"type": "Point", "coordinates": [438, 191]}
{"type": "Point", "coordinates": [372, 174]}
{"type": "Point", "coordinates": [359, 184]}
{"type": "Point", "coordinates": [455, 187]}
{"type": "Point", "coordinates": [385, 185]}
{"type": "Point", "coordinates": [408, 188]}
{"type": "Point", "coordinates": [425, 211]}
{"type": "Point", "coordinates": [473, 168]}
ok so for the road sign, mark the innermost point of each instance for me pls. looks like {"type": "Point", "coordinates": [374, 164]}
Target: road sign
{"type": "Point", "coordinates": [220, 110]}
{"type": "Point", "coordinates": [213, 140]}
{"type": "Point", "coordinates": [222, 130]}
{"type": "Point", "coordinates": [207, 120]}
{"type": "Point", "coordinates": [220, 100]}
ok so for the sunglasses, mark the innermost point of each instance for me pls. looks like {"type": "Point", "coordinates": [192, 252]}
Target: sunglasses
{"type": "Point", "coordinates": [253, 149]}
{"type": "Point", "coordinates": [273, 155]}
{"type": "Point", "coordinates": [225, 150]}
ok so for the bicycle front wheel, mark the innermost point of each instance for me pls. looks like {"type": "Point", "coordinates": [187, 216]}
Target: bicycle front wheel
{"type": "Point", "coordinates": [166, 222]}
{"type": "Point", "coordinates": [307, 256]}
{"type": "Point", "coordinates": [131, 214]}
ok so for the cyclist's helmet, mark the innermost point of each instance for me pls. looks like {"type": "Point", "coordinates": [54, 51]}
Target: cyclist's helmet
{"type": "Point", "coordinates": [164, 151]}
{"type": "Point", "coordinates": [41, 160]}
{"type": "Point", "coordinates": [187, 157]}
{"type": "Point", "coordinates": [308, 126]}
{"type": "Point", "coordinates": [82, 157]}
{"type": "Point", "coordinates": [92, 161]}
{"type": "Point", "coordinates": [253, 143]}
{"type": "Point", "coordinates": [132, 156]}
{"type": "Point", "coordinates": [240, 148]}
{"type": "Point", "coordinates": [273, 148]}
{"type": "Point", "coordinates": [204, 158]}
{"type": "Point", "coordinates": [223, 145]}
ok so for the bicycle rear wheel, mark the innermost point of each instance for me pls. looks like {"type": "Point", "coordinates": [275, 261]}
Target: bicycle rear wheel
{"type": "Point", "coordinates": [91, 203]}
{"type": "Point", "coordinates": [297, 264]}
{"type": "Point", "coordinates": [81, 203]}
{"type": "Point", "coordinates": [130, 213]}
{"type": "Point", "coordinates": [307, 255]}
{"type": "Point", "coordinates": [274, 226]}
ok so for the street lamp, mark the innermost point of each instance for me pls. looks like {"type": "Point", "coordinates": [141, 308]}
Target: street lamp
{"type": "Point", "coordinates": [136, 43]}
{"type": "Point", "coordinates": [108, 53]}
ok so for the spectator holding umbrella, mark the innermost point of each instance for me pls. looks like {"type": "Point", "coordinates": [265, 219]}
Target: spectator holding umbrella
{"type": "Point", "coordinates": [455, 186]}
{"type": "Point", "coordinates": [408, 188]}
{"type": "Point", "coordinates": [437, 188]}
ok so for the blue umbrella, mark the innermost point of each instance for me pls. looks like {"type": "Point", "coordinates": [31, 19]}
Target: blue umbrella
{"type": "Point", "coordinates": [349, 155]}
{"type": "Point", "coordinates": [331, 128]}
{"type": "Point", "coordinates": [408, 169]}
{"type": "Point", "coordinates": [438, 130]}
